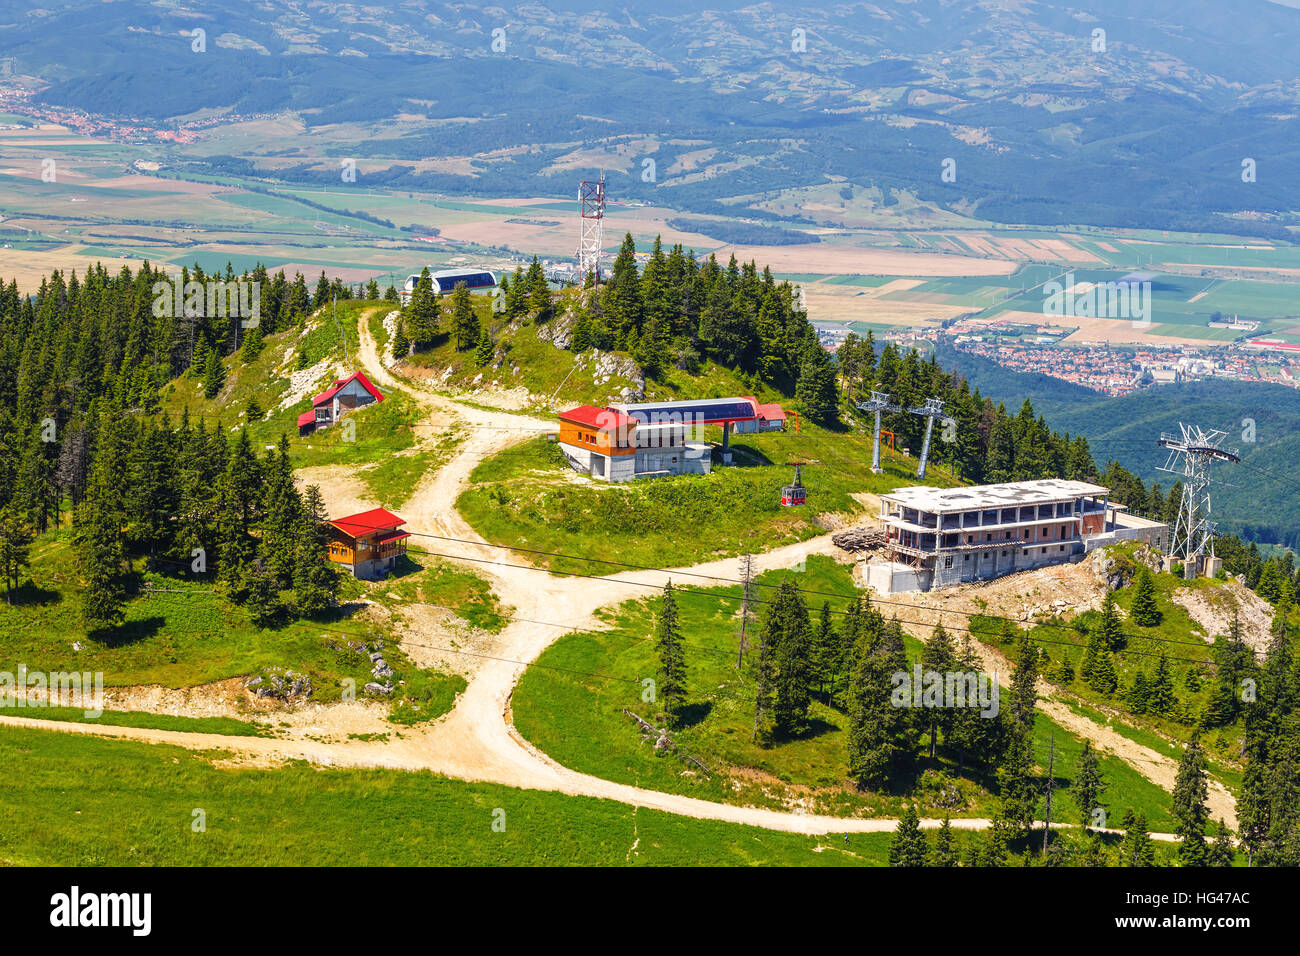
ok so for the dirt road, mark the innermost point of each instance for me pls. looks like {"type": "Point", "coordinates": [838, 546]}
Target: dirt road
{"type": "Point", "coordinates": [477, 740]}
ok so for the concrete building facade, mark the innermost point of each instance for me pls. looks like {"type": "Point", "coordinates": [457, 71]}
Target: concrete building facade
{"type": "Point", "coordinates": [938, 537]}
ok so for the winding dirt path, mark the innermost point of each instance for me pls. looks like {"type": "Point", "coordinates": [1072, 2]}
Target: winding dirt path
{"type": "Point", "coordinates": [477, 740]}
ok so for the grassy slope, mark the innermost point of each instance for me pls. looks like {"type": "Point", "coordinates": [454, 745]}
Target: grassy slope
{"type": "Point", "coordinates": [1177, 636]}
{"type": "Point", "coordinates": [228, 726]}
{"type": "Point", "coordinates": [528, 494]}
{"type": "Point", "coordinates": [571, 707]}
{"type": "Point", "coordinates": [446, 584]}
{"type": "Point", "coordinates": [66, 808]}
{"type": "Point", "coordinates": [185, 639]}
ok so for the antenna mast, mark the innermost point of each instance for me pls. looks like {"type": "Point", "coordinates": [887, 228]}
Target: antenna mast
{"type": "Point", "coordinates": [591, 237]}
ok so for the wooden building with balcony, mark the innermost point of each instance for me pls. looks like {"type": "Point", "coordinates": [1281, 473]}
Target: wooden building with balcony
{"type": "Point", "coordinates": [369, 543]}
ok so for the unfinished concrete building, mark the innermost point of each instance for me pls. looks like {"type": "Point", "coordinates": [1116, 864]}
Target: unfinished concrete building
{"type": "Point", "coordinates": [938, 537]}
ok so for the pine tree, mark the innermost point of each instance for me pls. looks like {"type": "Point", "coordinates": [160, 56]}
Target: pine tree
{"type": "Point", "coordinates": [262, 597]}
{"type": "Point", "coordinates": [825, 650]}
{"type": "Point", "coordinates": [1189, 807]}
{"type": "Point", "coordinates": [1088, 785]}
{"type": "Point", "coordinates": [1024, 683]}
{"type": "Point", "coordinates": [214, 375]}
{"type": "Point", "coordinates": [1064, 673]}
{"type": "Point", "coordinates": [938, 656]}
{"type": "Point", "coordinates": [483, 353]}
{"type": "Point", "coordinates": [908, 847]}
{"type": "Point", "coordinates": [1222, 852]}
{"type": "Point", "coordinates": [401, 344]}
{"type": "Point", "coordinates": [15, 540]}
{"type": "Point", "coordinates": [97, 530]}
{"type": "Point", "coordinates": [1160, 689]}
{"type": "Point", "coordinates": [252, 345]}
{"type": "Point", "coordinates": [878, 732]}
{"type": "Point", "coordinates": [464, 321]}
{"type": "Point", "coordinates": [1137, 848]}
{"type": "Point", "coordinates": [1143, 611]}
{"type": "Point", "coordinates": [315, 580]}
{"type": "Point", "coordinates": [672, 660]}
{"type": "Point", "coordinates": [1110, 629]}
{"type": "Point", "coordinates": [1018, 789]}
{"type": "Point", "coordinates": [420, 317]}
{"type": "Point", "coordinates": [539, 293]}
{"type": "Point", "coordinates": [944, 853]}
{"type": "Point", "coordinates": [786, 635]}
{"type": "Point", "coordinates": [817, 391]}
{"type": "Point", "coordinates": [1253, 811]}
{"type": "Point", "coordinates": [1102, 677]}
{"type": "Point", "coordinates": [1138, 694]}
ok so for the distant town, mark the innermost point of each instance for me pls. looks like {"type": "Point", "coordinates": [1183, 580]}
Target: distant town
{"type": "Point", "coordinates": [1105, 367]}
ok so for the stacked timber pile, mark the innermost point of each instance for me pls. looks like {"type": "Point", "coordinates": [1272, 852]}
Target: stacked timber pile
{"type": "Point", "coordinates": [859, 540]}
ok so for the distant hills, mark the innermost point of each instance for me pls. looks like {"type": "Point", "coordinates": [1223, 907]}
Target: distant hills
{"type": "Point", "coordinates": [1143, 124]}
{"type": "Point", "coordinates": [1259, 499]}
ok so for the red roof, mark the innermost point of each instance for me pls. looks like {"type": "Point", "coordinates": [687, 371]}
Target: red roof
{"type": "Point", "coordinates": [773, 413]}
{"type": "Point", "coordinates": [326, 395]}
{"type": "Point", "coordinates": [306, 418]}
{"type": "Point", "coordinates": [376, 519]}
{"type": "Point", "coordinates": [593, 417]}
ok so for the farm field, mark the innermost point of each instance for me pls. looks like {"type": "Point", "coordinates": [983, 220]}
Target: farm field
{"type": "Point", "coordinates": [132, 201]}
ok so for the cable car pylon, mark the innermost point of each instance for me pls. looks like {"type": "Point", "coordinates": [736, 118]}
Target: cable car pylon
{"type": "Point", "coordinates": [878, 403]}
{"type": "Point", "coordinates": [932, 409]}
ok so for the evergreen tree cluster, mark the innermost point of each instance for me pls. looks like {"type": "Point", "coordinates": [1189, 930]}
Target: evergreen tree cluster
{"type": "Point", "coordinates": [81, 365]}
{"type": "Point", "coordinates": [675, 311]}
{"type": "Point", "coordinates": [196, 503]}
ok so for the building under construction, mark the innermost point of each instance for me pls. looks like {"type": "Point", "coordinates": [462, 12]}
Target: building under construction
{"type": "Point", "coordinates": [938, 537]}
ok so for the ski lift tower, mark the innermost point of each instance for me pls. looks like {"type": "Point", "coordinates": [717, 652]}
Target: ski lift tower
{"type": "Point", "coordinates": [932, 409]}
{"type": "Point", "coordinates": [879, 403]}
{"type": "Point", "coordinates": [1193, 537]}
{"type": "Point", "coordinates": [591, 237]}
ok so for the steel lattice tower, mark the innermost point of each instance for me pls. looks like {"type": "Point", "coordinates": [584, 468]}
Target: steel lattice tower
{"type": "Point", "coordinates": [1199, 449]}
{"type": "Point", "coordinates": [932, 409]}
{"type": "Point", "coordinates": [879, 403]}
{"type": "Point", "coordinates": [591, 238]}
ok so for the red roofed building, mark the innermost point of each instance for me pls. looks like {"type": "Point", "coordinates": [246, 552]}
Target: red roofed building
{"type": "Point", "coordinates": [343, 396]}
{"type": "Point", "coordinates": [767, 418]}
{"type": "Point", "coordinates": [651, 439]}
{"type": "Point", "coordinates": [369, 543]}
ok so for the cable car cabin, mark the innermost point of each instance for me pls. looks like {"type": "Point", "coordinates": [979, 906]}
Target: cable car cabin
{"type": "Point", "coordinates": [795, 493]}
